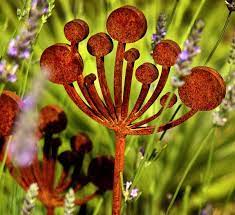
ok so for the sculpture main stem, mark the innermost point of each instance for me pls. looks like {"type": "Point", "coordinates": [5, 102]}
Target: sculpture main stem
{"type": "Point", "coordinates": [118, 168]}
{"type": "Point", "coordinates": [50, 210]}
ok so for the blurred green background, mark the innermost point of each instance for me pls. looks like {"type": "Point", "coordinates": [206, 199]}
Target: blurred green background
{"type": "Point", "coordinates": [211, 180]}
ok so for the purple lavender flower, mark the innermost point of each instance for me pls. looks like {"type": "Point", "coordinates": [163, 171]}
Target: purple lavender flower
{"type": "Point", "coordinates": [142, 151]}
{"type": "Point", "coordinates": [191, 49]}
{"type": "Point", "coordinates": [12, 78]}
{"type": "Point", "coordinates": [221, 114]}
{"type": "Point", "coordinates": [28, 103]}
{"type": "Point", "coordinates": [25, 54]}
{"type": "Point", "coordinates": [129, 193]}
{"type": "Point", "coordinates": [20, 47]}
{"type": "Point", "coordinates": [8, 71]}
{"type": "Point", "coordinates": [184, 55]}
{"type": "Point", "coordinates": [34, 4]}
{"type": "Point", "coordinates": [23, 146]}
{"type": "Point", "coordinates": [39, 5]}
{"type": "Point", "coordinates": [160, 31]}
{"type": "Point", "coordinates": [12, 49]}
{"type": "Point", "coordinates": [134, 193]}
{"type": "Point", "coordinates": [231, 59]}
{"type": "Point", "coordinates": [23, 154]}
{"type": "Point", "coordinates": [154, 37]}
{"type": "Point", "coordinates": [208, 210]}
{"type": "Point", "coordinates": [2, 67]}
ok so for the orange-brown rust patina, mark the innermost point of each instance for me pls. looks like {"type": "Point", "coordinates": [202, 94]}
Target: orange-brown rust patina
{"type": "Point", "coordinates": [204, 89]}
{"type": "Point", "coordinates": [52, 120]}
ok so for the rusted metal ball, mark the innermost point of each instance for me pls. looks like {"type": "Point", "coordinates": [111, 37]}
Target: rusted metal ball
{"type": "Point", "coordinates": [100, 172]}
{"type": "Point", "coordinates": [9, 108]}
{"type": "Point", "coordinates": [81, 143]}
{"type": "Point", "coordinates": [100, 45]}
{"type": "Point", "coordinates": [132, 55]}
{"type": "Point", "coordinates": [61, 65]}
{"type": "Point", "coordinates": [166, 53]}
{"type": "Point", "coordinates": [204, 89]}
{"type": "Point", "coordinates": [165, 98]}
{"type": "Point", "coordinates": [126, 24]}
{"type": "Point", "coordinates": [76, 30]}
{"type": "Point", "coordinates": [52, 119]}
{"type": "Point", "coordinates": [147, 73]}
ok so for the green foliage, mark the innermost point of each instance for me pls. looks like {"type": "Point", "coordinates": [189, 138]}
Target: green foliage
{"type": "Point", "coordinates": [211, 176]}
{"type": "Point", "coordinates": [51, 4]}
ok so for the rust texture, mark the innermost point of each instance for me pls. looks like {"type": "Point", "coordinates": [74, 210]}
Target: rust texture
{"type": "Point", "coordinates": [9, 107]}
{"type": "Point", "coordinates": [53, 120]}
{"type": "Point", "coordinates": [207, 94]}
{"type": "Point", "coordinates": [204, 89]}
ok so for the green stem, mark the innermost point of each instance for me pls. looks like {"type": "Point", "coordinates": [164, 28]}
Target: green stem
{"type": "Point", "coordinates": [228, 199]}
{"type": "Point", "coordinates": [172, 118]}
{"type": "Point", "coordinates": [98, 206]}
{"type": "Point", "coordinates": [193, 20]}
{"type": "Point", "coordinates": [186, 201]}
{"type": "Point", "coordinates": [2, 86]}
{"type": "Point", "coordinates": [173, 13]}
{"type": "Point", "coordinates": [5, 157]}
{"type": "Point", "coordinates": [220, 38]}
{"type": "Point", "coordinates": [161, 117]}
{"type": "Point", "coordinates": [207, 176]}
{"type": "Point", "coordinates": [188, 168]}
{"type": "Point", "coordinates": [26, 77]}
{"type": "Point", "coordinates": [149, 148]}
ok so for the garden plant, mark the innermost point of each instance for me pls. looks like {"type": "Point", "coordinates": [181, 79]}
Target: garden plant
{"type": "Point", "coordinates": [146, 86]}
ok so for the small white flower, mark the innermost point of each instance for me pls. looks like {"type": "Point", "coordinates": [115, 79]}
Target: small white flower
{"type": "Point", "coordinates": [128, 193]}
{"type": "Point", "coordinates": [128, 185]}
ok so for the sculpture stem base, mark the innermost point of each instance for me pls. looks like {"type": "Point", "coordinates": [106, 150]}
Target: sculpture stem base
{"type": "Point", "coordinates": [50, 211]}
{"type": "Point", "coordinates": [120, 141]}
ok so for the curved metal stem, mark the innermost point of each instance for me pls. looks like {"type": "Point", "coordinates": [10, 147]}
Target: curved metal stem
{"type": "Point", "coordinates": [150, 129]}
{"type": "Point", "coordinates": [118, 78]}
{"type": "Point", "coordinates": [37, 173]}
{"type": "Point", "coordinates": [104, 86]}
{"type": "Point", "coordinates": [98, 103]}
{"type": "Point", "coordinates": [86, 198]}
{"type": "Point", "coordinates": [127, 89]}
{"type": "Point", "coordinates": [161, 84]}
{"type": "Point", "coordinates": [19, 178]}
{"type": "Point", "coordinates": [84, 92]}
{"type": "Point", "coordinates": [142, 96]}
{"type": "Point", "coordinates": [145, 121]}
{"type": "Point", "coordinates": [81, 104]}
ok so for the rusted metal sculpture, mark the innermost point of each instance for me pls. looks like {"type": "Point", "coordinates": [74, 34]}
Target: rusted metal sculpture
{"type": "Point", "coordinates": [53, 120]}
{"type": "Point", "coordinates": [204, 89]}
